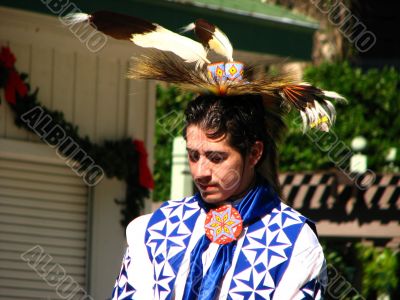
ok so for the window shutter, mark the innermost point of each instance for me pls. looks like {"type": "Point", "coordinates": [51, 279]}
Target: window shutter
{"type": "Point", "coordinates": [44, 214]}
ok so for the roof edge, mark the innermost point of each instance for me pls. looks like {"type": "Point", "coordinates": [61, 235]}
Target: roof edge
{"type": "Point", "coordinates": [261, 16]}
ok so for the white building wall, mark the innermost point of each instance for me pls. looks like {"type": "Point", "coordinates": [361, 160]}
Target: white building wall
{"type": "Point", "coordinates": [92, 91]}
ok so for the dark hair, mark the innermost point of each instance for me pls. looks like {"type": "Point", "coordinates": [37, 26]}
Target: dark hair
{"type": "Point", "coordinates": [243, 120]}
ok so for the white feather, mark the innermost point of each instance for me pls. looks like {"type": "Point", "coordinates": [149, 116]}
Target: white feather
{"type": "Point", "coordinates": [328, 94]}
{"type": "Point", "coordinates": [188, 27]}
{"type": "Point", "coordinates": [304, 118]}
{"type": "Point", "coordinates": [321, 111]}
{"type": "Point", "coordinates": [333, 95]}
{"type": "Point", "coordinates": [332, 110]}
{"type": "Point", "coordinates": [166, 40]}
{"type": "Point", "coordinates": [321, 114]}
{"type": "Point", "coordinates": [219, 43]}
{"type": "Point", "coordinates": [315, 113]}
{"type": "Point", "coordinates": [76, 18]}
{"type": "Point", "coordinates": [310, 115]}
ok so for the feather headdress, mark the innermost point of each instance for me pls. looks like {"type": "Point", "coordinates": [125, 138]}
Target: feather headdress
{"type": "Point", "coordinates": [174, 58]}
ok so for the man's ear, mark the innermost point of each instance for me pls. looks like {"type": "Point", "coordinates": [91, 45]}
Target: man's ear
{"type": "Point", "coordinates": [256, 152]}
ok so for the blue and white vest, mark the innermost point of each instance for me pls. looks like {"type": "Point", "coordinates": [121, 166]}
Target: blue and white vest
{"type": "Point", "coordinates": [260, 264]}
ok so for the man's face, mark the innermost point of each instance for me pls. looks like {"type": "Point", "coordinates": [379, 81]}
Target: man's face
{"type": "Point", "coordinates": [218, 170]}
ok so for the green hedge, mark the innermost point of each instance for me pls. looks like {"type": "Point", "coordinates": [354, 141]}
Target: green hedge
{"type": "Point", "coordinates": [372, 111]}
{"type": "Point", "coordinates": [356, 269]}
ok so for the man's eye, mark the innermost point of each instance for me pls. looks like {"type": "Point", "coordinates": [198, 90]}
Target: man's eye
{"type": "Point", "coordinates": [193, 156]}
{"type": "Point", "coordinates": [216, 158]}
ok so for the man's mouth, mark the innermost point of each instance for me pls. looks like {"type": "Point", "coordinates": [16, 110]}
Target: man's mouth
{"type": "Point", "coordinates": [207, 187]}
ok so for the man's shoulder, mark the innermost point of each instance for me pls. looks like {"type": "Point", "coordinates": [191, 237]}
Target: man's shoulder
{"type": "Point", "coordinates": [288, 209]}
{"type": "Point", "coordinates": [295, 216]}
{"type": "Point", "coordinates": [136, 228]}
{"type": "Point", "coordinates": [143, 220]}
{"type": "Point", "coordinates": [169, 221]}
{"type": "Point", "coordinates": [283, 210]}
{"type": "Point", "coordinates": [180, 201]}
{"type": "Point", "coordinates": [176, 203]}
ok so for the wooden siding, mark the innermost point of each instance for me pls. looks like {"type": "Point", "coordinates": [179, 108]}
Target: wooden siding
{"type": "Point", "coordinates": [91, 89]}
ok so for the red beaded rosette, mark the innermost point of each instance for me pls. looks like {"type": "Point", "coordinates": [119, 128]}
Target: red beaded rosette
{"type": "Point", "coordinates": [223, 224]}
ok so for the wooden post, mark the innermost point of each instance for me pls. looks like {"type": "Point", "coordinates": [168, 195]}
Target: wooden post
{"type": "Point", "coordinates": [181, 180]}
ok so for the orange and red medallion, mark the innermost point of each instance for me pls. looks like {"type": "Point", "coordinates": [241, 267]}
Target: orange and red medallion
{"type": "Point", "coordinates": [223, 224]}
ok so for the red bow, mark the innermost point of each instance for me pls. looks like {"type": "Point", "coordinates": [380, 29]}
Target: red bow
{"type": "Point", "coordinates": [14, 84]}
{"type": "Point", "coordinates": [145, 177]}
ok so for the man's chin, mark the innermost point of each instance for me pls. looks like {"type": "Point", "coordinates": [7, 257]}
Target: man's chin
{"type": "Point", "coordinates": [212, 198]}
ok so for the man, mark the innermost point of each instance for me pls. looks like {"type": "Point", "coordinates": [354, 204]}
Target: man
{"type": "Point", "coordinates": [234, 239]}
{"type": "Point", "coordinates": [276, 254]}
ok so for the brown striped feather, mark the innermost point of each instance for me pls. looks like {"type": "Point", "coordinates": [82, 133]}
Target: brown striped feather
{"type": "Point", "coordinates": [120, 26]}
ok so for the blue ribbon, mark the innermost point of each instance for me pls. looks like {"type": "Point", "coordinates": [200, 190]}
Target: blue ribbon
{"type": "Point", "coordinates": [258, 202]}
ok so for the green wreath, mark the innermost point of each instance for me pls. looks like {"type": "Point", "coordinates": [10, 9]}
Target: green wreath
{"type": "Point", "coordinates": [124, 159]}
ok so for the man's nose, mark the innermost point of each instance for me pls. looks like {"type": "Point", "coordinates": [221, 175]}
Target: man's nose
{"type": "Point", "coordinates": [203, 170]}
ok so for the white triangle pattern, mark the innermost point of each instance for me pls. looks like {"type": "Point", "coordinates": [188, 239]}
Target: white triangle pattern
{"type": "Point", "coordinates": [166, 240]}
{"type": "Point", "coordinates": [121, 288]}
{"type": "Point", "coordinates": [256, 280]}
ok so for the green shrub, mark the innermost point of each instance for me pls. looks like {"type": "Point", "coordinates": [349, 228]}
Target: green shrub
{"type": "Point", "coordinates": [380, 267]}
{"type": "Point", "coordinates": [372, 111]}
